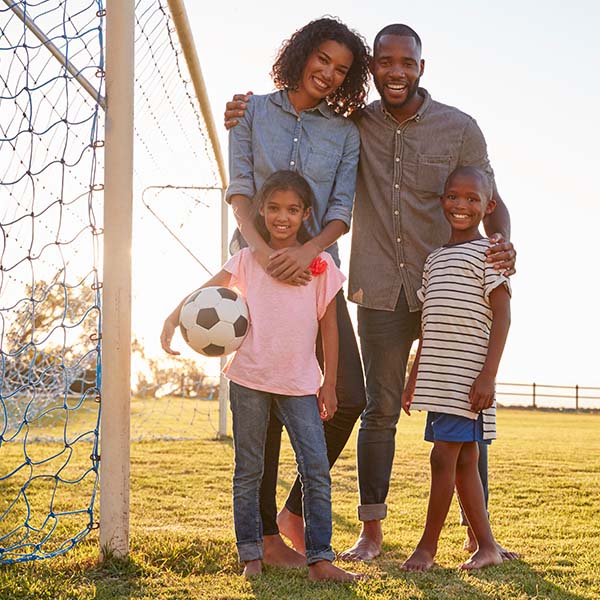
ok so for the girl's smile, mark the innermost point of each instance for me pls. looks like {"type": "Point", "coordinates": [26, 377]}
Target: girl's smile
{"type": "Point", "coordinates": [284, 214]}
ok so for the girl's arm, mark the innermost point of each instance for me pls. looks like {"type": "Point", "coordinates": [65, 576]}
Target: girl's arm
{"type": "Point", "coordinates": [327, 398]}
{"type": "Point", "coordinates": [482, 391]}
{"type": "Point", "coordinates": [409, 388]}
{"type": "Point", "coordinates": [221, 279]}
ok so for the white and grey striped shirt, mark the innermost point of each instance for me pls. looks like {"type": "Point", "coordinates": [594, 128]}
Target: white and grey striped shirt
{"type": "Point", "coordinates": [456, 323]}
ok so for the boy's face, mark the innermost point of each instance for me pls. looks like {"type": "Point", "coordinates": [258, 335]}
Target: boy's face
{"type": "Point", "coordinates": [466, 200]}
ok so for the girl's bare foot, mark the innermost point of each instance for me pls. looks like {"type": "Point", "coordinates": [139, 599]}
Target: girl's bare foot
{"type": "Point", "coordinates": [470, 545]}
{"type": "Point", "coordinates": [292, 526]}
{"type": "Point", "coordinates": [483, 558]}
{"type": "Point", "coordinates": [278, 554]}
{"type": "Point", "coordinates": [326, 571]}
{"type": "Point", "coordinates": [252, 568]}
{"type": "Point", "coordinates": [419, 560]}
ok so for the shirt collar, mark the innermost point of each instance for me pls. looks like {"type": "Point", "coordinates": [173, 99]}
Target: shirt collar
{"type": "Point", "coordinates": [281, 99]}
{"type": "Point", "coordinates": [419, 114]}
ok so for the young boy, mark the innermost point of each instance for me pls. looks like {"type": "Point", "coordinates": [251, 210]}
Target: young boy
{"type": "Point", "coordinates": [465, 321]}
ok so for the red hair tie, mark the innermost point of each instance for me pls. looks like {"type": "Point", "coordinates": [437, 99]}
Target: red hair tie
{"type": "Point", "coordinates": [317, 266]}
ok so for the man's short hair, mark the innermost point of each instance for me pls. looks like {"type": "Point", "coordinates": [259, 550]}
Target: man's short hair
{"type": "Point", "coordinates": [397, 29]}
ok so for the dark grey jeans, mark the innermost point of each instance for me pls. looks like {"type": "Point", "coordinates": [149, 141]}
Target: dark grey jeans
{"type": "Point", "coordinates": [385, 339]}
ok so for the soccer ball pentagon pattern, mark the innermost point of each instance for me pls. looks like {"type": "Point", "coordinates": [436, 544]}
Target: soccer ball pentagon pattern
{"type": "Point", "coordinates": [214, 320]}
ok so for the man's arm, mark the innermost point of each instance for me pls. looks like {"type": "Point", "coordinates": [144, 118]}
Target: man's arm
{"type": "Point", "coordinates": [502, 253]}
{"type": "Point", "coordinates": [327, 398]}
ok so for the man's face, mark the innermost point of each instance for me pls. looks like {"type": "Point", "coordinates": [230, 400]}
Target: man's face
{"type": "Point", "coordinates": [397, 68]}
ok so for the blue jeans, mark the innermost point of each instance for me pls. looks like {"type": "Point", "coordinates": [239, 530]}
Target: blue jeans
{"type": "Point", "coordinates": [350, 391]}
{"type": "Point", "coordinates": [300, 415]}
{"type": "Point", "coordinates": [385, 339]}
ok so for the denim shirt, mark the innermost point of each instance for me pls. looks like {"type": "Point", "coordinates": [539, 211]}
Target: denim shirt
{"type": "Point", "coordinates": [398, 218]}
{"type": "Point", "coordinates": [322, 146]}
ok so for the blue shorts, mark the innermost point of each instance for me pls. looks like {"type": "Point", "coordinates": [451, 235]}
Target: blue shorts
{"type": "Point", "coordinates": [441, 427]}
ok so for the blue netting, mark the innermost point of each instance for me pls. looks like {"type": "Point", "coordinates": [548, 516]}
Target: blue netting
{"type": "Point", "coordinates": [50, 200]}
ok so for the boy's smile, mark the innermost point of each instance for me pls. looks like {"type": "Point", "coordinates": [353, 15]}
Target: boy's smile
{"type": "Point", "coordinates": [466, 201]}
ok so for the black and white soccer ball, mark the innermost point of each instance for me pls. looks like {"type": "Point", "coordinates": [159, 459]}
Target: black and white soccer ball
{"type": "Point", "coordinates": [214, 321]}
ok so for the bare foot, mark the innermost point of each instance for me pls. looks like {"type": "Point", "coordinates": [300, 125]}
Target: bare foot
{"type": "Point", "coordinates": [483, 558]}
{"type": "Point", "coordinates": [419, 560]}
{"type": "Point", "coordinates": [368, 544]}
{"type": "Point", "coordinates": [470, 545]}
{"type": "Point", "coordinates": [325, 571]}
{"type": "Point", "coordinates": [252, 568]}
{"type": "Point", "coordinates": [292, 526]}
{"type": "Point", "coordinates": [277, 554]}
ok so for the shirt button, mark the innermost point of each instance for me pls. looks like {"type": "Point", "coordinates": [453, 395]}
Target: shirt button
{"type": "Point", "coordinates": [298, 119]}
{"type": "Point", "coordinates": [396, 185]}
{"type": "Point", "coordinates": [402, 265]}
{"type": "Point", "coordinates": [397, 131]}
{"type": "Point", "coordinates": [295, 139]}
{"type": "Point", "coordinates": [397, 212]}
{"type": "Point", "coordinates": [292, 163]}
{"type": "Point", "coordinates": [399, 240]}
{"type": "Point", "coordinates": [397, 159]}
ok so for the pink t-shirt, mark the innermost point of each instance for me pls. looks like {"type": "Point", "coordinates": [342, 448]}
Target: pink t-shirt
{"type": "Point", "coordinates": [278, 354]}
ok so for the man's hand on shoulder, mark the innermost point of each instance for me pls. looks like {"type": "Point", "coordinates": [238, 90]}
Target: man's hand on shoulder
{"type": "Point", "coordinates": [235, 109]}
{"type": "Point", "coordinates": [502, 254]}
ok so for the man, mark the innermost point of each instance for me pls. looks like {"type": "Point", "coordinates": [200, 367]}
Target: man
{"type": "Point", "coordinates": [409, 145]}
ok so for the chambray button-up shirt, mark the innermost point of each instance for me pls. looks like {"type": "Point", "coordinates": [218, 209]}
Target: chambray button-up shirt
{"type": "Point", "coordinates": [322, 146]}
{"type": "Point", "coordinates": [398, 218]}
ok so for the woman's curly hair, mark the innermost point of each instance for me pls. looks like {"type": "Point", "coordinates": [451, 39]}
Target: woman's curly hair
{"type": "Point", "coordinates": [293, 54]}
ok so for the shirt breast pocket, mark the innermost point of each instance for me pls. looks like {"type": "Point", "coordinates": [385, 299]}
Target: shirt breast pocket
{"type": "Point", "coordinates": [432, 172]}
{"type": "Point", "coordinates": [321, 166]}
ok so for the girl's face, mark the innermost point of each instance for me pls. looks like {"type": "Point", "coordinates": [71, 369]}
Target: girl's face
{"type": "Point", "coordinates": [325, 70]}
{"type": "Point", "coordinates": [284, 214]}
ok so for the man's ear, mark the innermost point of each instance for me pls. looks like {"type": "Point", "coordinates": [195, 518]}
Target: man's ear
{"type": "Point", "coordinates": [422, 69]}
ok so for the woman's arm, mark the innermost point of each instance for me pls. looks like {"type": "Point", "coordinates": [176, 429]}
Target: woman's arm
{"type": "Point", "coordinates": [221, 279]}
{"type": "Point", "coordinates": [327, 398]}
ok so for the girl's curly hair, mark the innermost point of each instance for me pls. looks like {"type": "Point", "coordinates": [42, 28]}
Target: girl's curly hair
{"type": "Point", "coordinates": [293, 54]}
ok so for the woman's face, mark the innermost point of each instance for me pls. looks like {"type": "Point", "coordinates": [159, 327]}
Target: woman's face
{"type": "Point", "coordinates": [325, 70]}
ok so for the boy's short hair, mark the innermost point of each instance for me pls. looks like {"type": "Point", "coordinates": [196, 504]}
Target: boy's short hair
{"type": "Point", "coordinates": [486, 180]}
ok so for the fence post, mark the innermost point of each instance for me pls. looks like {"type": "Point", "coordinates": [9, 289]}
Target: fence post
{"type": "Point", "coordinates": [576, 397]}
{"type": "Point", "coordinates": [534, 406]}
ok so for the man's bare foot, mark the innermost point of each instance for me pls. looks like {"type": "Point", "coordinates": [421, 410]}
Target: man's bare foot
{"type": "Point", "coordinates": [326, 571]}
{"type": "Point", "coordinates": [277, 554]}
{"type": "Point", "coordinates": [292, 526]}
{"type": "Point", "coordinates": [419, 560]}
{"type": "Point", "coordinates": [483, 558]}
{"type": "Point", "coordinates": [252, 568]}
{"type": "Point", "coordinates": [470, 545]}
{"type": "Point", "coordinates": [368, 544]}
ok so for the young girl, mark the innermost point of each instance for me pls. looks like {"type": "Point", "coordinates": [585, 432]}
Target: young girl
{"type": "Point", "coordinates": [320, 73]}
{"type": "Point", "coordinates": [465, 321]}
{"type": "Point", "coordinates": [275, 370]}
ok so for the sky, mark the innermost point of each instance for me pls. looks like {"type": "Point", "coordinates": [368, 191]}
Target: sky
{"type": "Point", "coordinates": [527, 72]}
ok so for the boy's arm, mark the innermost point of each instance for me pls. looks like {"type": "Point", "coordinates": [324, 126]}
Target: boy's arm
{"type": "Point", "coordinates": [221, 279]}
{"type": "Point", "coordinates": [327, 398]}
{"type": "Point", "coordinates": [481, 394]}
{"type": "Point", "coordinates": [409, 388]}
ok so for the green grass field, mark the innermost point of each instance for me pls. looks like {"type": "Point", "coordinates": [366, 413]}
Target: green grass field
{"type": "Point", "coordinates": [545, 503]}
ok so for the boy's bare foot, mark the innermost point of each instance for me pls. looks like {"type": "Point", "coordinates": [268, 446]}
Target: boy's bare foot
{"type": "Point", "coordinates": [419, 560]}
{"type": "Point", "coordinates": [252, 568]}
{"type": "Point", "coordinates": [483, 558]}
{"type": "Point", "coordinates": [326, 571]}
{"type": "Point", "coordinates": [292, 526]}
{"type": "Point", "coordinates": [368, 545]}
{"type": "Point", "coordinates": [277, 554]}
{"type": "Point", "coordinates": [470, 545]}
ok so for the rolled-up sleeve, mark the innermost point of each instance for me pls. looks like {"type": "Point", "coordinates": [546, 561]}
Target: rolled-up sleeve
{"type": "Point", "coordinates": [473, 151]}
{"type": "Point", "coordinates": [241, 161]}
{"type": "Point", "coordinates": [342, 195]}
